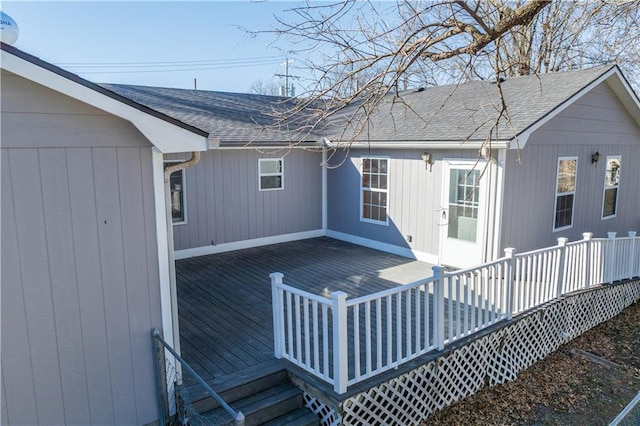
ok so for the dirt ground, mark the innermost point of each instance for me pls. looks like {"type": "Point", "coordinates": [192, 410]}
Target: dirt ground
{"type": "Point", "coordinates": [586, 382]}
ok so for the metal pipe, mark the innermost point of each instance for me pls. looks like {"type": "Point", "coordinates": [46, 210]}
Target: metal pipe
{"type": "Point", "coordinates": [237, 416]}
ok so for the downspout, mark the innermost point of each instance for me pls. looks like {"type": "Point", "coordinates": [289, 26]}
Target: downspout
{"type": "Point", "coordinates": [195, 158]}
{"type": "Point", "coordinates": [325, 145]}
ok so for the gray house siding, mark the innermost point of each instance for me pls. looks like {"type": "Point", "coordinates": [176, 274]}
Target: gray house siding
{"type": "Point", "coordinates": [80, 285]}
{"type": "Point", "coordinates": [224, 203]}
{"type": "Point", "coordinates": [414, 198]}
{"type": "Point", "coordinates": [596, 122]}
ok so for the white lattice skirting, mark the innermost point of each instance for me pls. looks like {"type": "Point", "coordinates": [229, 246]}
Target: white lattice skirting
{"type": "Point", "coordinates": [494, 358]}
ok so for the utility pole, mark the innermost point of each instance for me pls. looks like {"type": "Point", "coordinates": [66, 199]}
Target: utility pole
{"type": "Point", "coordinates": [287, 90]}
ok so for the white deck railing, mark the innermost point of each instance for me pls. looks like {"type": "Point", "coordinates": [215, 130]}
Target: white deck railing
{"type": "Point", "coordinates": [345, 341]}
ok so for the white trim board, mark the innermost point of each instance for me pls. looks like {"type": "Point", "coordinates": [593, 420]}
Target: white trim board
{"type": "Point", "coordinates": [244, 244]}
{"type": "Point", "coordinates": [385, 247]}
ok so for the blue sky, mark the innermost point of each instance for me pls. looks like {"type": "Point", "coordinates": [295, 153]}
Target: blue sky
{"type": "Point", "coordinates": [199, 38]}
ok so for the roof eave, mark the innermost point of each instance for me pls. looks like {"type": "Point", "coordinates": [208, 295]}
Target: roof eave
{"type": "Point", "coordinates": [165, 133]}
{"type": "Point", "coordinates": [616, 80]}
{"type": "Point", "coordinates": [432, 144]}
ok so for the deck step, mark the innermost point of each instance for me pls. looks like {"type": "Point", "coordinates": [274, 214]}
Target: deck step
{"type": "Point", "coordinates": [266, 396]}
{"type": "Point", "coordinates": [263, 406]}
{"type": "Point", "coordinates": [298, 417]}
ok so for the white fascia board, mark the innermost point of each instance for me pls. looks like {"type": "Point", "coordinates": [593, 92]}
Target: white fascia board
{"type": "Point", "coordinates": [497, 144]}
{"type": "Point", "coordinates": [520, 141]}
{"type": "Point", "coordinates": [167, 137]}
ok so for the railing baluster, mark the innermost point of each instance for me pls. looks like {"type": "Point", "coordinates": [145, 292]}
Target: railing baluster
{"type": "Point", "coordinates": [407, 319]}
{"type": "Point", "coordinates": [307, 333]}
{"type": "Point", "coordinates": [289, 349]}
{"type": "Point", "coordinates": [316, 342]}
{"type": "Point", "coordinates": [418, 320]}
{"type": "Point", "coordinates": [356, 340]}
{"type": "Point", "coordinates": [379, 333]}
{"type": "Point", "coordinates": [389, 336]}
{"type": "Point", "coordinates": [325, 341]}
{"type": "Point", "coordinates": [369, 331]}
{"type": "Point", "coordinates": [296, 299]}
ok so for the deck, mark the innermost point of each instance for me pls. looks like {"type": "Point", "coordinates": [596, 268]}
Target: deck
{"type": "Point", "coordinates": [224, 300]}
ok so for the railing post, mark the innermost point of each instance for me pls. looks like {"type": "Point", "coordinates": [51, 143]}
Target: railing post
{"type": "Point", "coordinates": [278, 313]}
{"type": "Point", "coordinates": [610, 267]}
{"type": "Point", "coordinates": [509, 253]}
{"type": "Point", "coordinates": [438, 295]}
{"type": "Point", "coordinates": [562, 243]}
{"type": "Point", "coordinates": [340, 349]}
{"type": "Point", "coordinates": [587, 236]}
{"type": "Point", "coordinates": [632, 255]}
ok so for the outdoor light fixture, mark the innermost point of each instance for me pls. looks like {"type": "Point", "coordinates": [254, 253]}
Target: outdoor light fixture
{"type": "Point", "coordinates": [595, 157]}
{"type": "Point", "coordinates": [426, 157]}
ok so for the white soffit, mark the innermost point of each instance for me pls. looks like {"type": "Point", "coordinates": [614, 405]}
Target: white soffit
{"type": "Point", "coordinates": [167, 137]}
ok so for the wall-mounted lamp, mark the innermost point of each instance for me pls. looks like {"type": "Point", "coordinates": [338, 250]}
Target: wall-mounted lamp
{"type": "Point", "coordinates": [595, 157]}
{"type": "Point", "coordinates": [426, 157]}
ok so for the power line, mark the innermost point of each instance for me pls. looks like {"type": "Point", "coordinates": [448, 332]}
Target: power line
{"type": "Point", "coordinates": [159, 63]}
{"type": "Point", "coordinates": [167, 66]}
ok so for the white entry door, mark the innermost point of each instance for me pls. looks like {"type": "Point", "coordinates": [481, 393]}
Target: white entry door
{"type": "Point", "coordinates": [463, 213]}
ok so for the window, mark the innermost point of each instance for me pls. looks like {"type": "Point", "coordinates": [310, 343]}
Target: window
{"type": "Point", "coordinates": [464, 203]}
{"type": "Point", "coordinates": [374, 190]}
{"type": "Point", "coordinates": [611, 182]}
{"type": "Point", "coordinates": [565, 193]}
{"type": "Point", "coordinates": [176, 190]}
{"type": "Point", "coordinates": [270, 171]}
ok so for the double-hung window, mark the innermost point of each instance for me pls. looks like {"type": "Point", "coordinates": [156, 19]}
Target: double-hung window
{"type": "Point", "coordinates": [176, 191]}
{"type": "Point", "coordinates": [270, 174]}
{"type": "Point", "coordinates": [373, 190]}
{"type": "Point", "coordinates": [611, 182]}
{"type": "Point", "coordinates": [565, 192]}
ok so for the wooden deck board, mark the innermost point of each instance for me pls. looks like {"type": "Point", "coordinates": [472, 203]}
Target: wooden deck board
{"type": "Point", "coordinates": [224, 300]}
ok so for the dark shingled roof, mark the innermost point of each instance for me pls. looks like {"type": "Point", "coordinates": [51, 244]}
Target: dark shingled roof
{"type": "Point", "coordinates": [467, 111]}
{"type": "Point", "coordinates": [236, 119]}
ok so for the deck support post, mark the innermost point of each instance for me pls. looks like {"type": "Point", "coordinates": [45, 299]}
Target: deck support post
{"type": "Point", "coordinates": [610, 266]}
{"type": "Point", "coordinates": [340, 349]}
{"type": "Point", "coordinates": [278, 313]}
{"type": "Point", "coordinates": [632, 256]}
{"type": "Point", "coordinates": [509, 253]}
{"type": "Point", "coordinates": [562, 252]}
{"type": "Point", "coordinates": [588, 262]}
{"type": "Point", "coordinates": [438, 294]}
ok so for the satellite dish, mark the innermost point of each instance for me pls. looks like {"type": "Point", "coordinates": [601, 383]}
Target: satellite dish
{"type": "Point", "coordinates": [9, 30]}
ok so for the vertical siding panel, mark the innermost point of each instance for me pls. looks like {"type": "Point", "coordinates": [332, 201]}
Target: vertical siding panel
{"type": "Point", "coordinates": [84, 221]}
{"type": "Point", "coordinates": [246, 197]}
{"type": "Point", "coordinates": [254, 207]}
{"type": "Point", "coordinates": [57, 214]}
{"type": "Point", "coordinates": [227, 184]}
{"type": "Point", "coordinates": [4, 416]}
{"type": "Point", "coordinates": [414, 213]}
{"type": "Point", "coordinates": [218, 182]}
{"type": "Point", "coordinates": [137, 280]}
{"type": "Point", "coordinates": [210, 195]}
{"type": "Point", "coordinates": [16, 363]}
{"type": "Point", "coordinates": [201, 195]}
{"type": "Point", "coordinates": [110, 233]}
{"type": "Point", "coordinates": [34, 261]}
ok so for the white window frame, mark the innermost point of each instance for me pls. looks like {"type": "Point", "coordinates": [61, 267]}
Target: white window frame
{"type": "Point", "coordinates": [557, 194]}
{"type": "Point", "coordinates": [184, 193]}
{"type": "Point", "coordinates": [377, 190]}
{"type": "Point", "coordinates": [608, 187]}
{"type": "Point", "coordinates": [261, 175]}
